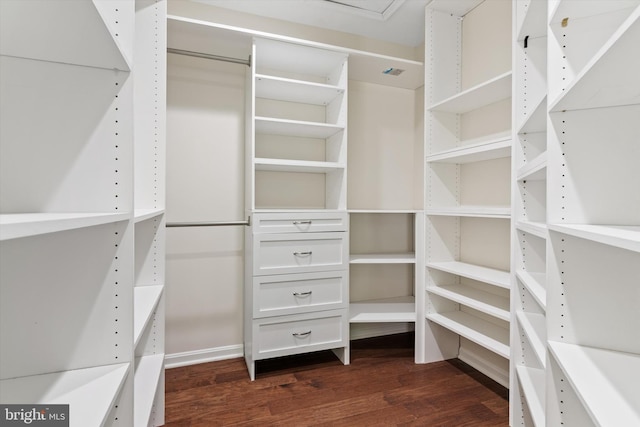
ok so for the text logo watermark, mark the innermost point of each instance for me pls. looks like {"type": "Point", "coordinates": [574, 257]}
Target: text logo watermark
{"type": "Point", "coordinates": [34, 415]}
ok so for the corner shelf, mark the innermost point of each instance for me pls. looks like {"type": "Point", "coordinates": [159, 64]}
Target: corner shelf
{"type": "Point", "coordinates": [408, 258]}
{"type": "Point", "coordinates": [13, 226]}
{"type": "Point", "coordinates": [399, 309]}
{"type": "Point", "coordinates": [491, 276]}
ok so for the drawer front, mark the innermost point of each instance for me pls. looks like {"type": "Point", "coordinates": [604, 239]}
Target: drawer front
{"type": "Point", "coordinates": [299, 222]}
{"type": "Point", "coordinates": [299, 293]}
{"type": "Point", "coordinates": [299, 253]}
{"type": "Point", "coordinates": [280, 336]}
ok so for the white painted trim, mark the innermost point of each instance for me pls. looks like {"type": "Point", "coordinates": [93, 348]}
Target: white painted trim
{"type": "Point", "coordinates": [484, 366]}
{"type": "Point", "coordinates": [369, 330]}
{"type": "Point", "coordinates": [176, 360]}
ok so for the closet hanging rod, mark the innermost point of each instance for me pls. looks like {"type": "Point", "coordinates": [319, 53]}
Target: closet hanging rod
{"type": "Point", "coordinates": [210, 56]}
{"type": "Point", "coordinates": [209, 223]}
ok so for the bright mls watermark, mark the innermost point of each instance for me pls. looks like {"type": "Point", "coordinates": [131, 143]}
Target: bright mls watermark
{"type": "Point", "coordinates": [34, 415]}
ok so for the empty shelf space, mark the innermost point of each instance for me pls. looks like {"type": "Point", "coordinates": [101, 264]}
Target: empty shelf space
{"type": "Point", "coordinates": [295, 90]}
{"type": "Point", "coordinates": [534, 326]}
{"type": "Point", "coordinates": [485, 302]}
{"type": "Point", "coordinates": [488, 149]}
{"type": "Point", "coordinates": [532, 383]}
{"type": "Point", "coordinates": [617, 63]}
{"type": "Point", "coordinates": [145, 300]}
{"type": "Point", "coordinates": [406, 258]}
{"type": "Point", "coordinates": [537, 121]}
{"type": "Point", "coordinates": [147, 374]}
{"type": "Point", "coordinates": [13, 226]}
{"type": "Point", "coordinates": [488, 335]}
{"type": "Point", "coordinates": [483, 274]}
{"type": "Point", "coordinates": [534, 170]}
{"type": "Point", "coordinates": [90, 392]}
{"type": "Point", "coordinates": [272, 126]}
{"type": "Point", "coordinates": [534, 23]}
{"type": "Point", "coordinates": [487, 93]}
{"type": "Point", "coordinates": [145, 214]}
{"type": "Point", "coordinates": [284, 165]}
{"type": "Point", "coordinates": [619, 236]}
{"type": "Point", "coordinates": [609, 391]}
{"type": "Point", "coordinates": [533, 227]}
{"type": "Point", "coordinates": [503, 212]}
{"type": "Point", "coordinates": [534, 282]}
{"type": "Point", "coordinates": [400, 309]}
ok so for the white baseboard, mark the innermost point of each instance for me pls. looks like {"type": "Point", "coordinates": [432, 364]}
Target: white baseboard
{"type": "Point", "coordinates": [176, 360]}
{"type": "Point", "coordinates": [494, 372]}
{"type": "Point", "coordinates": [369, 330]}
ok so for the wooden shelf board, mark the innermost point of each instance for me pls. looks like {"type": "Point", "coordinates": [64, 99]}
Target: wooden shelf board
{"type": "Point", "coordinates": [145, 301]}
{"type": "Point", "coordinates": [289, 90]}
{"type": "Point", "coordinates": [535, 328]}
{"type": "Point", "coordinates": [485, 302]}
{"type": "Point", "coordinates": [532, 382]}
{"type": "Point", "coordinates": [492, 148]}
{"type": "Point", "coordinates": [405, 258]}
{"type": "Point", "coordinates": [616, 62]}
{"type": "Point", "coordinates": [535, 228]}
{"type": "Point", "coordinates": [90, 392]}
{"type": "Point", "coordinates": [486, 93]}
{"type": "Point", "coordinates": [391, 310]}
{"type": "Point", "coordinates": [619, 236]}
{"type": "Point", "coordinates": [534, 282]}
{"type": "Point", "coordinates": [148, 370]}
{"type": "Point", "coordinates": [483, 274]}
{"type": "Point", "coordinates": [13, 226]}
{"type": "Point", "coordinates": [535, 170]}
{"type": "Point", "coordinates": [483, 333]}
{"type": "Point", "coordinates": [140, 215]}
{"type": "Point", "coordinates": [272, 126]}
{"type": "Point", "coordinates": [301, 166]}
{"type": "Point", "coordinates": [609, 392]}
{"type": "Point", "coordinates": [502, 212]}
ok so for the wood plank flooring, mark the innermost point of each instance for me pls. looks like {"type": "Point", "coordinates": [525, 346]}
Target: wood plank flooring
{"type": "Point", "coordinates": [381, 387]}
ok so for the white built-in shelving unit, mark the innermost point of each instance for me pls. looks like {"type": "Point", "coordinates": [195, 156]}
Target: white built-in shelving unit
{"type": "Point", "coordinates": [593, 249]}
{"type": "Point", "coordinates": [79, 241]}
{"type": "Point", "coordinates": [468, 142]}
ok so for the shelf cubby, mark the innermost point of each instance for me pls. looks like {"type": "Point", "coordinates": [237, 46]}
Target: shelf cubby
{"type": "Point", "coordinates": [534, 327]}
{"type": "Point", "coordinates": [534, 283]}
{"type": "Point", "coordinates": [532, 385]}
{"type": "Point", "coordinates": [485, 302]}
{"type": "Point", "coordinates": [389, 310]}
{"type": "Point", "coordinates": [481, 95]}
{"type": "Point", "coordinates": [148, 374]}
{"type": "Point", "coordinates": [487, 148]}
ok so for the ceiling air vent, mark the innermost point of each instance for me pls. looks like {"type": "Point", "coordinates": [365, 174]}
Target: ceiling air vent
{"type": "Point", "coordinates": [393, 71]}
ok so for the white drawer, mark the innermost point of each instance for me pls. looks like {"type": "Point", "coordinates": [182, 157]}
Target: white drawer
{"type": "Point", "coordinates": [299, 253]}
{"type": "Point", "coordinates": [300, 222]}
{"type": "Point", "coordinates": [281, 336]}
{"type": "Point", "coordinates": [299, 293]}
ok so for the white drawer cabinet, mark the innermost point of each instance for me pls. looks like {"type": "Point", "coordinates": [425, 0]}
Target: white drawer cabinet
{"type": "Point", "coordinates": [296, 285]}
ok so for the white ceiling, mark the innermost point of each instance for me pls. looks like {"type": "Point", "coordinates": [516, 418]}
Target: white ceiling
{"type": "Point", "coordinates": [397, 21]}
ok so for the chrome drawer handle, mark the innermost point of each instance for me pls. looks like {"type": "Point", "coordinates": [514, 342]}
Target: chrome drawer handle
{"type": "Point", "coordinates": [302, 253]}
{"type": "Point", "coordinates": [301, 294]}
{"type": "Point", "coordinates": [301, 334]}
{"type": "Point", "coordinates": [301, 222]}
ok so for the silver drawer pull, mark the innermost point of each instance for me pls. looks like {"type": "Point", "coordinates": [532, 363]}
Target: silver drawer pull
{"type": "Point", "coordinates": [301, 334]}
{"type": "Point", "coordinates": [302, 253]}
{"type": "Point", "coordinates": [301, 294]}
{"type": "Point", "coordinates": [301, 222]}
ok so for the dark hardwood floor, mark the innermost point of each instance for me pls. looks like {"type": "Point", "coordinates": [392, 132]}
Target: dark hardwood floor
{"type": "Point", "coordinates": [381, 387]}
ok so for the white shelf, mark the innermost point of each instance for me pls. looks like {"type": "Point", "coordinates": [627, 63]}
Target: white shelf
{"type": "Point", "coordinates": [407, 258]}
{"type": "Point", "coordinates": [532, 382]}
{"type": "Point", "coordinates": [272, 126]}
{"type": "Point", "coordinates": [487, 93]}
{"type": "Point", "coordinates": [537, 121]}
{"type": "Point", "coordinates": [384, 211]}
{"type": "Point", "coordinates": [295, 90]}
{"type": "Point", "coordinates": [145, 300]}
{"type": "Point", "coordinates": [534, 282]}
{"type": "Point", "coordinates": [90, 393]}
{"type": "Point", "coordinates": [483, 333]}
{"type": "Point", "coordinates": [616, 62]}
{"type": "Point", "coordinates": [535, 327]}
{"type": "Point", "coordinates": [140, 215]}
{"type": "Point", "coordinates": [503, 212]}
{"type": "Point", "coordinates": [605, 381]}
{"type": "Point", "coordinates": [48, 31]}
{"type": "Point", "coordinates": [483, 274]}
{"type": "Point", "coordinates": [567, 9]}
{"type": "Point", "coordinates": [535, 170]}
{"type": "Point", "coordinates": [400, 309]}
{"type": "Point", "coordinates": [619, 236]}
{"type": "Point", "coordinates": [496, 147]}
{"type": "Point", "coordinates": [147, 374]}
{"type": "Point", "coordinates": [536, 228]}
{"type": "Point", "coordinates": [284, 165]}
{"type": "Point", "coordinates": [13, 226]}
{"type": "Point", "coordinates": [534, 23]}
{"type": "Point", "coordinates": [485, 302]}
